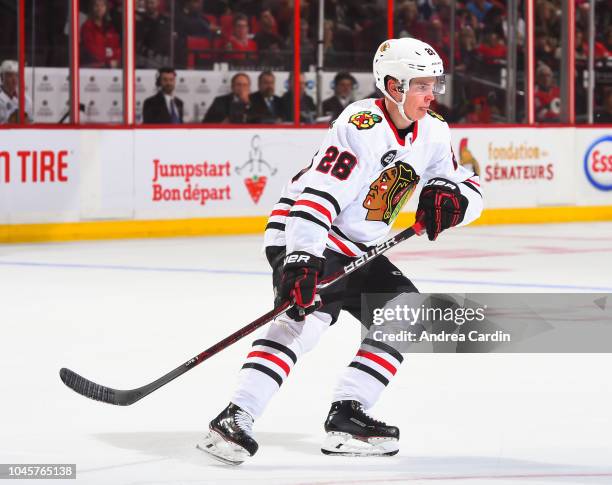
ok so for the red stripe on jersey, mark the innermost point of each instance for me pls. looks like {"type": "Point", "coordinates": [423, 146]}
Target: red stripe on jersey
{"type": "Point", "coordinates": [272, 358]}
{"type": "Point", "coordinates": [279, 212]}
{"type": "Point", "coordinates": [379, 360]}
{"type": "Point", "coordinates": [343, 247]}
{"type": "Point", "coordinates": [315, 206]}
{"type": "Point", "coordinates": [473, 182]}
{"type": "Point", "coordinates": [381, 104]}
{"type": "Point", "coordinates": [415, 131]}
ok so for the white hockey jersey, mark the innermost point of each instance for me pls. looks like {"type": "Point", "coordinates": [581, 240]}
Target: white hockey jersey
{"type": "Point", "coordinates": [8, 105]}
{"type": "Point", "coordinates": [361, 177]}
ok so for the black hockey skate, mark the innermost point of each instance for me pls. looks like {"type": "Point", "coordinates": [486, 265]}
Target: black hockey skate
{"type": "Point", "coordinates": [229, 437]}
{"type": "Point", "coordinates": [351, 432]}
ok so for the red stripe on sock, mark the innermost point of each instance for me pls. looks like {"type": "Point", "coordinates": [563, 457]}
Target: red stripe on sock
{"type": "Point", "coordinates": [279, 212]}
{"type": "Point", "coordinates": [272, 358]}
{"type": "Point", "coordinates": [379, 360]}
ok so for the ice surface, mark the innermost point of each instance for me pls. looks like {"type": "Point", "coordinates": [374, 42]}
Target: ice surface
{"type": "Point", "coordinates": [122, 313]}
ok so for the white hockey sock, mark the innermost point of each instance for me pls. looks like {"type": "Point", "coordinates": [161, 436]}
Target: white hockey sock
{"type": "Point", "coordinates": [368, 374]}
{"type": "Point", "coordinates": [272, 357]}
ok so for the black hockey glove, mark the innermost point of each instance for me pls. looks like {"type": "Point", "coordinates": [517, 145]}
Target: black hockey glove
{"type": "Point", "coordinates": [441, 205]}
{"type": "Point", "coordinates": [299, 283]}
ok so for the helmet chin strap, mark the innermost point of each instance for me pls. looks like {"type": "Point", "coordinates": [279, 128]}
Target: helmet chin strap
{"type": "Point", "coordinates": [400, 106]}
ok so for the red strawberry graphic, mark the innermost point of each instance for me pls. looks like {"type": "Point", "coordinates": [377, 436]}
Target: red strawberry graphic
{"type": "Point", "coordinates": [256, 185]}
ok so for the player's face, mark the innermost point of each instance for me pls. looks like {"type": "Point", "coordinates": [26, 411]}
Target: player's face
{"type": "Point", "coordinates": [419, 96]}
{"type": "Point", "coordinates": [167, 81]}
{"type": "Point", "coordinates": [9, 82]}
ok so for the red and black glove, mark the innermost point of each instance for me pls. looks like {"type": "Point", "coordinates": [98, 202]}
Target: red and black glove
{"type": "Point", "coordinates": [299, 283]}
{"type": "Point", "coordinates": [441, 205]}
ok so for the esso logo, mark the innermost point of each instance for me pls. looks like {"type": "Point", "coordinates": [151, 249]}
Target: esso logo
{"type": "Point", "coordinates": [598, 163]}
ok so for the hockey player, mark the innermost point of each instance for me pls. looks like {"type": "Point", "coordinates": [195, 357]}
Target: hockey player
{"type": "Point", "coordinates": [345, 201]}
{"type": "Point", "coordinates": [9, 95]}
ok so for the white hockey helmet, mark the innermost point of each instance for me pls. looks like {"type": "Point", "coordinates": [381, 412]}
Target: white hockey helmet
{"type": "Point", "coordinates": [405, 59]}
{"type": "Point", "coordinates": [9, 65]}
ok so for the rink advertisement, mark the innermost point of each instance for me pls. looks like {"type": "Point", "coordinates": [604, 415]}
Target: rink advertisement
{"type": "Point", "coordinates": [594, 156]}
{"type": "Point", "coordinates": [488, 322]}
{"type": "Point", "coordinates": [39, 178]}
{"type": "Point", "coordinates": [216, 173]}
{"type": "Point", "coordinates": [235, 176]}
{"type": "Point", "coordinates": [519, 168]}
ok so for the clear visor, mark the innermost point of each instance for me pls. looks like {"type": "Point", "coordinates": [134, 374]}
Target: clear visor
{"type": "Point", "coordinates": [427, 85]}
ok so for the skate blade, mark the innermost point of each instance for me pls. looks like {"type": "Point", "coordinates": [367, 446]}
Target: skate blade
{"type": "Point", "coordinates": [344, 444]}
{"type": "Point", "coordinates": [217, 447]}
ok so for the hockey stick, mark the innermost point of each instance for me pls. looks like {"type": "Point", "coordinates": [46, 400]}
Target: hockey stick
{"type": "Point", "coordinates": [90, 389]}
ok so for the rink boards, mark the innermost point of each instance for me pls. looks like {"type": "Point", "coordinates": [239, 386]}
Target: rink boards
{"type": "Point", "coordinates": [60, 184]}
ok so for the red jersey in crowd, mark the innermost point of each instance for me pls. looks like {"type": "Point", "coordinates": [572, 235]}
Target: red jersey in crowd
{"type": "Point", "coordinates": [101, 44]}
{"type": "Point", "coordinates": [547, 103]}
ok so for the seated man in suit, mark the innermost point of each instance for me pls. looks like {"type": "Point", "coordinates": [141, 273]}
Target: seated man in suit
{"type": "Point", "coordinates": [164, 107]}
{"type": "Point", "coordinates": [344, 83]}
{"type": "Point", "coordinates": [308, 109]}
{"type": "Point", "coordinates": [233, 107]}
{"type": "Point", "coordinates": [266, 107]}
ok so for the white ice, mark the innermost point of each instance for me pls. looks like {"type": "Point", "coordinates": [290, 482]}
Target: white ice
{"type": "Point", "coordinates": [122, 313]}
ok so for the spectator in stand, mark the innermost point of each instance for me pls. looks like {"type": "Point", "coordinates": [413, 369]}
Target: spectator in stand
{"type": "Point", "coordinates": [308, 109]}
{"type": "Point", "coordinates": [307, 45]}
{"type": "Point", "coordinates": [435, 38]}
{"type": "Point", "coordinates": [344, 83]}
{"type": "Point", "coordinates": [233, 107]}
{"type": "Point", "coordinates": [266, 107]}
{"type": "Point", "coordinates": [479, 8]}
{"type": "Point", "coordinates": [100, 42]}
{"type": "Point", "coordinates": [240, 46]}
{"type": "Point", "coordinates": [547, 96]}
{"type": "Point", "coordinates": [409, 24]}
{"type": "Point", "coordinates": [164, 107]}
{"type": "Point", "coordinates": [608, 41]}
{"type": "Point", "coordinates": [153, 35]}
{"type": "Point", "coordinates": [493, 49]}
{"type": "Point", "coordinates": [604, 114]}
{"type": "Point", "coordinates": [9, 94]}
{"type": "Point", "coordinates": [582, 48]}
{"type": "Point", "coordinates": [191, 22]}
{"type": "Point", "coordinates": [268, 32]}
{"type": "Point", "coordinates": [269, 43]}
{"type": "Point", "coordinates": [545, 48]}
{"type": "Point", "coordinates": [468, 54]}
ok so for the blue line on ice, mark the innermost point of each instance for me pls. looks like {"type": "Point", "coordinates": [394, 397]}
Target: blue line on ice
{"type": "Point", "coordinates": [543, 286]}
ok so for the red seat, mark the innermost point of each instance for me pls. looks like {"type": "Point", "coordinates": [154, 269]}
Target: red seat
{"type": "Point", "coordinates": [198, 48]}
{"type": "Point", "coordinates": [227, 25]}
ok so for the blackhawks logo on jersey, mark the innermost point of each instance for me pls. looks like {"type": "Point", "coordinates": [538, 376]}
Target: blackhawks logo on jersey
{"type": "Point", "coordinates": [364, 120]}
{"type": "Point", "coordinates": [389, 192]}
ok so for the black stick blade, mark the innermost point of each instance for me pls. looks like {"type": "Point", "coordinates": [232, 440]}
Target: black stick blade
{"type": "Point", "coordinates": [87, 388]}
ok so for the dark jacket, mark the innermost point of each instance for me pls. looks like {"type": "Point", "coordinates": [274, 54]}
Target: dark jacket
{"type": "Point", "coordinates": [332, 106]}
{"type": "Point", "coordinates": [155, 110]}
{"type": "Point", "coordinates": [261, 113]}
{"type": "Point", "coordinates": [226, 109]}
{"type": "Point", "coordinates": [308, 110]}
